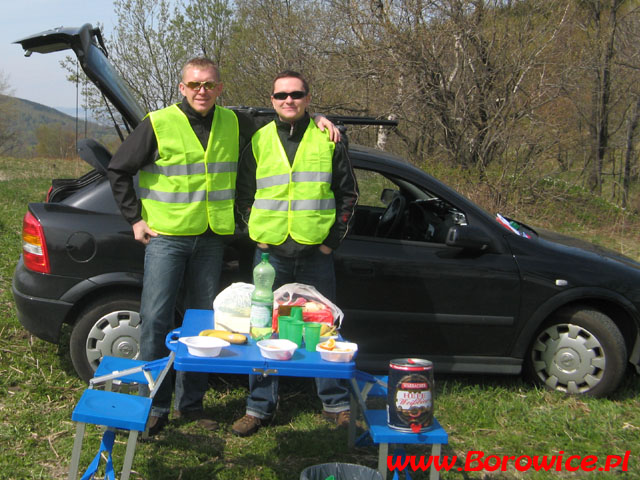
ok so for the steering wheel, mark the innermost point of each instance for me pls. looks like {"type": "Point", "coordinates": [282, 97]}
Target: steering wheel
{"type": "Point", "coordinates": [390, 218]}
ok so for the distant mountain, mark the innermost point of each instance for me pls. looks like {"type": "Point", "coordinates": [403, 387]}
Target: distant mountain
{"type": "Point", "coordinates": [71, 111]}
{"type": "Point", "coordinates": [26, 116]}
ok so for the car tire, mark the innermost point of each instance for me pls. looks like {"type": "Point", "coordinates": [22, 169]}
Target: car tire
{"type": "Point", "coordinates": [579, 351]}
{"type": "Point", "coordinates": [110, 326]}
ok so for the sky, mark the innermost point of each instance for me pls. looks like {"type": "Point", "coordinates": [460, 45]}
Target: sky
{"type": "Point", "coordinates": [40, 78]}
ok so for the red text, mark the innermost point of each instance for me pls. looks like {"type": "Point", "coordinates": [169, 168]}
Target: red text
{"type": "Point", "coordinates": [477, 461]}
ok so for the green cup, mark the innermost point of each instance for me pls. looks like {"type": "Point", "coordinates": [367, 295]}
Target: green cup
{"type": "Point", "coordinates": [311, 335]}
{"type": "Point", "coordinates": [295, 331]}
{"type": "Point", "coordinates": [283, 326]}
{"type": "Point", "coordinates": [296, 312]}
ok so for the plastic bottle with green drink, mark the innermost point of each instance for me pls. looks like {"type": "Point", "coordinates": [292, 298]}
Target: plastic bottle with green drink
{"type": "Point", "coordinates": [262, 298]}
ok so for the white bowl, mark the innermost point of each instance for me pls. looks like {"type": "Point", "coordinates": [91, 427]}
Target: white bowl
{"type": "Point", "coordinates": [277, 348]}
{"type": "Point", "coordinates": [343, 352]}
{"type": "Point", "coordinates": [203, 346]}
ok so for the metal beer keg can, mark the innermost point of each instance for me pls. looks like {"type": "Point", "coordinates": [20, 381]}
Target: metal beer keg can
{"type": "Point", "coordinates": [410, 394]}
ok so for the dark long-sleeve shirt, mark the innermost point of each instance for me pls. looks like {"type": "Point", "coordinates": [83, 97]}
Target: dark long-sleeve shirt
{"type": "Point", "coordinates": [343, 185]}
{"type": "Point", "coordinates": [141, 149]}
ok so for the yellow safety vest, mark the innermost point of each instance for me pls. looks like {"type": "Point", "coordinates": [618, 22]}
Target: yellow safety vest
{"type": "Point", "coordinates": [188, 188]}
{"type": "Point", "coordinates": [292, 199]}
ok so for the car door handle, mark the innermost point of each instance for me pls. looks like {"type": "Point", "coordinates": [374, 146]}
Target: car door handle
{"type": "Point", "coordinates": [361, 268]}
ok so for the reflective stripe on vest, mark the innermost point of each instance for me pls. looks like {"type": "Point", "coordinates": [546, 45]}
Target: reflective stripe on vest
{"type": "Point", "coordinates": [293, 199]}
{"type": "Point", "coordinates": [189, 189]}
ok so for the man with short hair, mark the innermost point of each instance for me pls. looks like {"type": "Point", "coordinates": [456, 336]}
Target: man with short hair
{"type": "Point", "coordinates": [297, 193]}
{"type": "Point", "coordinates": [186, 156]}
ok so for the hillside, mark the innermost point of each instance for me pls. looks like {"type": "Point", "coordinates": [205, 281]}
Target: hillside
{"type": "Point", "coordinates": [26, 116]}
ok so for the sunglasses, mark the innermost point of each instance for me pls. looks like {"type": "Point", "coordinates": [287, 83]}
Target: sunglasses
{"type": "Point", "coordinates": [297, 95]}
{"type": "Point", "coordinates": [198, 85]}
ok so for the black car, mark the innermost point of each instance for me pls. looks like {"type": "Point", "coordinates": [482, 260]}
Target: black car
{"type": "Point", "coordinates": [424, 272]}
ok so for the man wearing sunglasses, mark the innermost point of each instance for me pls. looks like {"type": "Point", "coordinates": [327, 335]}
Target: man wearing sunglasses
{"type": "Point", "coordinates": [186, 156]}
{"type": "Point", "coordinates": [297, 194]}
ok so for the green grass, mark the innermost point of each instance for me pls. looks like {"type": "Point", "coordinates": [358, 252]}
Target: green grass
{"type": "Point", "coordinates": [495, 415]}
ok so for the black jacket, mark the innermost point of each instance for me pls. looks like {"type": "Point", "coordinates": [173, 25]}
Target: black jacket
{"type": "Point", "coordinates": [141, 148]}
{"type": "Point", "coordinates": [343, 185]}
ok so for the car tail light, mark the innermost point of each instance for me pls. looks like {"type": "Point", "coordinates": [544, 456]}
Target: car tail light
{"type": "Point", "coordinates": [34, 246]}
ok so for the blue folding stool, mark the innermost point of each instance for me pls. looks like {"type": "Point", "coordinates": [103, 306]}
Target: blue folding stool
{"type": "Point", "coordinates": [116, 410]}
{"type": "Point", "coordinates": [380, 433]}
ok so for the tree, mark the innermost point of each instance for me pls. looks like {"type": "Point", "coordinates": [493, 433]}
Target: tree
{"type": "Point", "coordinates": [600, 87]}
{"type": "Point", "coordinates": [148, 51]}
{"type": "Point", "coordinates": [490, 86]}
{"type": "Point", "coordinates": [55, 141]}
{"type": "Point", "coordinates": [274, 35]}
{"type": "Point", "coordinates": [632, 128]}
{"type": "Point", "coordinates": [151, 42]}
{"type": "Point", "coordinates": [464, 78]}
{"type": "Point", "coordinates": [602, 19]}
{"type": "Point", "coordinates": [630, 63]}
{"type": "Point", "coordinates": [8, 134]}
{"type": "Point", "coordinates": [205, 28]}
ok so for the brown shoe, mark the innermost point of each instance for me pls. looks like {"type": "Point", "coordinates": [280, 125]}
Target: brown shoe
{"type": "Point", "coordinates": [248, 425]}
{"type": "Point", "coordinates": [341, 419]}
{"type": "Point", "coordinates": [197, 416]}
{"type": "Point", "coordinates": [156, 424]}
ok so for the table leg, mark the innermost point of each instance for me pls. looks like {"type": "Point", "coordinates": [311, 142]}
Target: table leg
{"type": "Point", "coordinates": [357, 406]}
{"type": "Point", "coordinates": [352, 421]}
{"type": "Point", "coordinates": [77, 449]}
{"type": "Point", "coordinates": [383, 453]}
{"type": "Point", "coordinates": [435, 452]}
{"type": "Point", "coordinates": [128, 457]}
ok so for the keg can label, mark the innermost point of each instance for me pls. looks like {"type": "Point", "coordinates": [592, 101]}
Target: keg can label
{"type": "Point", "coordinates": [413, 399]}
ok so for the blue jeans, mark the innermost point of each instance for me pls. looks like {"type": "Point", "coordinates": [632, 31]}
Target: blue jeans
{"type": "Point", "coordinates": [190, 265]}
{"type": "Point", "coordinates": [316, 270]}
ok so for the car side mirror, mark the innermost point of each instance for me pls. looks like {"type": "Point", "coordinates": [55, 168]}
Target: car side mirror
{"type": "Point", "coordinates": [465, 236]}
{"type": "Point", "coordinates": [387, 195]}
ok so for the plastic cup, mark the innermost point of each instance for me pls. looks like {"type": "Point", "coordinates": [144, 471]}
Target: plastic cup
{"type": "Point", "coordinates": [260, 333]}
{"type": "Point", "coordinates": [311, 335]}
{"type": "Point", "coordinates": [295, 331]}
{"type": "Point", "coordinates": [296, 312]}
{"type": "Point", "coordinates": [283, 326]}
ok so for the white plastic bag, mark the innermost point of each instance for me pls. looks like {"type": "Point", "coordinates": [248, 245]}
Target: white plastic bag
{"type": "Point", "coordinates": [232, 308]}
{"type": "Point", "coordinates": [314, 305]}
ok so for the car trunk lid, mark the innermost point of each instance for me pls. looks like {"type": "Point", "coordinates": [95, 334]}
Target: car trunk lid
{"type": "Point", "coordinates": [88, 45]}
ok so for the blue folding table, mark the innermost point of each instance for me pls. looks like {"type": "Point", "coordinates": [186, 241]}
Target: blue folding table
{"type": "Point", "coordinates": [247, 359]}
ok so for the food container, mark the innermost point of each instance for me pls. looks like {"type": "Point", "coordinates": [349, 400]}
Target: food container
{"type": "Point", "coordinates": [277, 349]}
{"type": "Point", "coordinates": [342, 352]}
{"type": "Point", "coordinates": [327, 337]}
{"type": "Point", "coordinates": [203, 346]}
